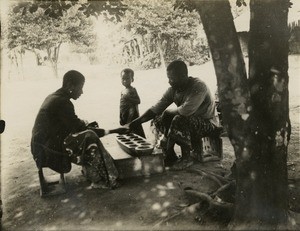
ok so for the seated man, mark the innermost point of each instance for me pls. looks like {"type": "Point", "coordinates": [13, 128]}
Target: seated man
{"type": "Point", "coordinates": [193, 117]}
{"type": "Point", "coordinates": [60, 138]}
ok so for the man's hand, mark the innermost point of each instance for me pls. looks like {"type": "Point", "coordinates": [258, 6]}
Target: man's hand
{"type": "Point", "coordinates": [148, 115]}
{"type": "Point", "coordinates": [93, 124]}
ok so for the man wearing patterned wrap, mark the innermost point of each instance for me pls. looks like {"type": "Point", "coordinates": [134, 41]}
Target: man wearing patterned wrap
{"type": "Point", "coordinates": [60, 138]}
{"type": "Point", "coordinates": [192, 118]}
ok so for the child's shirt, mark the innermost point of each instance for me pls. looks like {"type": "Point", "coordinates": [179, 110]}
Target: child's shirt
{"type": "Point", "coordinates": [129, 105]}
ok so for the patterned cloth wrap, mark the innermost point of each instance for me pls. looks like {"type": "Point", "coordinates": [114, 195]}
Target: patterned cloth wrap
{"type": "Point", "coordinates": [86, 149]}
{"type": "Point", "coordinates": [183, 130]}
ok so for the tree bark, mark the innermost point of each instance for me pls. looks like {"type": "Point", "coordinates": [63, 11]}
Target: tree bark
{"type": "Point", "coordinates": [268, 81]}
{"type": "Point", "coordinates": [161, 53]}
{"type": "Point", "coordinates": [53, 54]}
{"type": "Point", "coordinates": [21, 63]}
{"type": "Point", "coordinates": [257, 125]}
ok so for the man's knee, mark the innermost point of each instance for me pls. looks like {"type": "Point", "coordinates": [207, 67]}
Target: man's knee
{"type": "Point", "coordinates": [166, 115]}
{"type": "Point", "coordinates": [61, 165]}
{"type": "Point", "coordinates": [91, 135]}
{"type": "Point", "coordinates": [179, 120]}
{"type": "Point", "coordinates": [166, 119]}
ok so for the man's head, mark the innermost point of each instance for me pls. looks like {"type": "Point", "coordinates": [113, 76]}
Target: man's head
{"type": "Point", "coordinates": [127, 77]}
{"type": "Point", "coordinates": [177, 73]}
{"type": "Point", "coordinates": [73, 82]}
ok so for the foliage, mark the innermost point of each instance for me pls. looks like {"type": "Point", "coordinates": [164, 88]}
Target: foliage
{"type": "Point", "coordinates": [158, 28]}
{"type": "Point", "coordinates": [38, 31]}
{"type": "Point", "coordinates": [112, 9]}
{"type": "Point", "coordinates": [151, 35]}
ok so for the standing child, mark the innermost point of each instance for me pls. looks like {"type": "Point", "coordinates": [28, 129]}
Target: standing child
{"type": "Point", "coordinates": [129, 101]}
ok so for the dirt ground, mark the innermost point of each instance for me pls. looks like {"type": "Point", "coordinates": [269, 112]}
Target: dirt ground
{"type": "Point", "coordinates": [139, 204]}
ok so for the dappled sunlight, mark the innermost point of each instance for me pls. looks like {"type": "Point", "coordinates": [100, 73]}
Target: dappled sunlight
{"type": "Point", "coordinates": [19, 214]}
{"type": "Point", "coordinates": [146, 180]}
{"type": "Point", "coordinates": [53, 227]}
{"type": "Point", "coordinates": [79, 195]}
{"type": "Point", "coordinates": [88, 187]}
{"type": "Point", "coordinates": [119, 224]}
{"type": "Point", "coordinates": [65, 200]}
{"type": "Point", "coordinates": [143, 195]}
{"type": "Point", "coordinates": [164, 214]}
{"type": "Point", "coordinates": [82, 215]}
{"type": "Point", "coordinates": [86, 221]}
{"type": "Point", "coordinates": [34, 185]}
{"type": "Point", "coordinates": [37, 212]}
{"type": "Point", "coordinates": [73, 206]}
{"type": "Point", "coordinates": [156, 206]}
{"type": "Point", "coordinates": [170, 185]}
{"type": "Point", "coordinates": [12, 197]}
{"type": "Point", "coordinates": [162, 193]}
{"type": "Point", "coordinates": [137, 164]}
{"type": "Point", "coordinates": [158, 199]}
{"type": "Point", "coordinates": [161, 209]}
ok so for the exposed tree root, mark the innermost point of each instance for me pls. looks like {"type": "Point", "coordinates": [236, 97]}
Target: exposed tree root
{"type": "Point", "coordinates": [216, 207]}
{"type": "Point", "coordinates": [226, 192]}
{"type": "Point", "coordinates": [217, 179]}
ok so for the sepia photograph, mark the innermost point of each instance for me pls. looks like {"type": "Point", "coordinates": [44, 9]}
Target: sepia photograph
{"type": "Point", "coordinates": [150, 115]}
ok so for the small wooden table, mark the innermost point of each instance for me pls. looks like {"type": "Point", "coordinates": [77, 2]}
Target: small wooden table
{"type": "Point", "coordinates": [129, 166]}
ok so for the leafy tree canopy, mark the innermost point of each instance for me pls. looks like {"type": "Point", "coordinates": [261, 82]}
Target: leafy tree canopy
{"type": "Point", "coordinates": [56, 9]}
{"type": "Point", "coordinates": [152, 17]}
{"type": "Point", "coordinates": [38, 30]}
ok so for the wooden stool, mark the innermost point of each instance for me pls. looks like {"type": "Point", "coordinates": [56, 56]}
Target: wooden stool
{"type": "Point", "coordinates": [212, 149]}
{"type": "Point", "coordinates": [212, 146]}
{"type": "Point", "coordinates": [51, 185]}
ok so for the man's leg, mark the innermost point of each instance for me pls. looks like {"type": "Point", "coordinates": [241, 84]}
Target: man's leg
{"type": "Point", "coordinates": [162, 125]}
{"type": "Point", "coordinates": [167, 143]}
{"type": "Point", "coordinates": [187, 132]}
{"type": "Point", "coordinates": [89, 152]}
{"type": "Point", "coordinates": [179, 134]}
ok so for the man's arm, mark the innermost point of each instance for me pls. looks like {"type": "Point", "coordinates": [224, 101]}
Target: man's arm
{"type": "Point", "coordinates": [64, 110]}
{"type": "Point", "coordinates": [148, 115]}
{"type": "Point", "coordinates": [102, 132]}
{"type": "Point", "coordinates": [159, 107]}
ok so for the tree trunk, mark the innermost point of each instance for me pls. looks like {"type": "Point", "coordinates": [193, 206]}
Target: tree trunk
{"type": "Point", "coordinates": [258, 141]}
{"type": "Point", "coordinates": [38, 57]}
{"type": "Point", "coordinates": [141, 44]}
{"type": "Point", "coordinates": [53, 54]}
{"type": "Point", "coordinates": [161, 53]}
{"type": "Point", "coordinates": [268, 81]}
{"type": "Point", "coordinates": [22, 64]}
